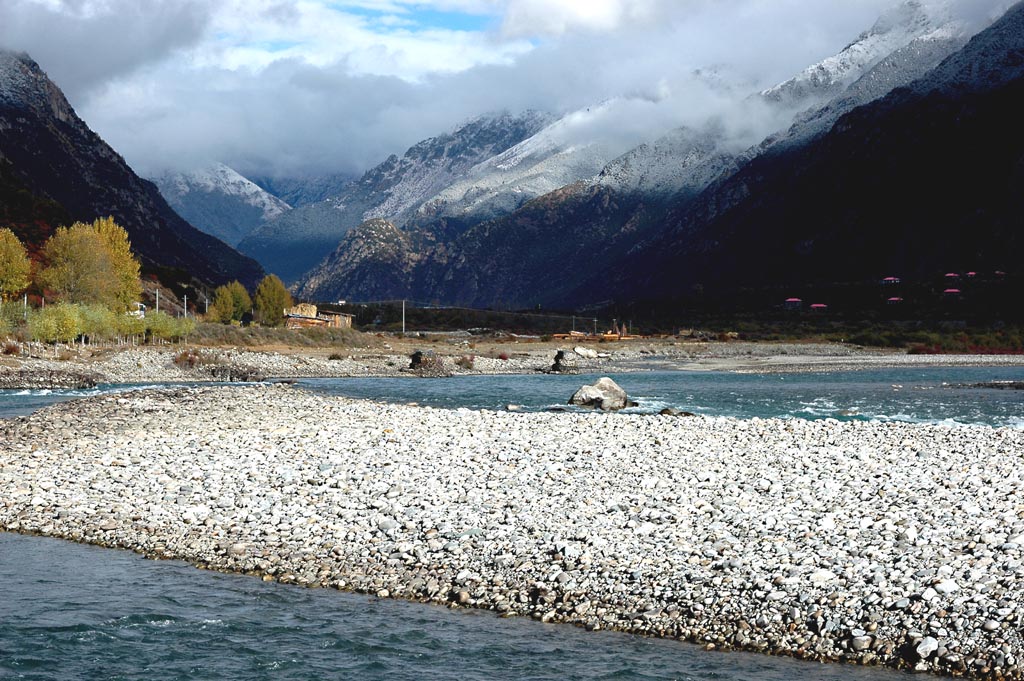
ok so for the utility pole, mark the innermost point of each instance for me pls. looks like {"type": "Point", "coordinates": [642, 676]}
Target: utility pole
{"type": "Point", "coordinates": [158, 300]}
{"type": "Point", "coordinates": [595, 326]}
{"type": "Point", "coordinates": [403, 317]}
{"type": "Point", "coordinates": [574, 323]}
{"type": "Point", "coordinates": [186, 305]}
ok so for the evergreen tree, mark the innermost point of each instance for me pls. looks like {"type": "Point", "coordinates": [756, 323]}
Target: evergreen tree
{"type": "Point", "coordinates": [272, 299]}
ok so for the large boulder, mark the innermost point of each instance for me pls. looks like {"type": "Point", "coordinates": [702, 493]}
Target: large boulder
{"type": "Point", "coordinates": [605, 395]}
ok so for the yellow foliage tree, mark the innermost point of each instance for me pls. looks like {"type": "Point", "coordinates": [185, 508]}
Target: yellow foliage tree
{"type": "Point", "coordinates": [92, 264]}
{"type": "Point", "coordinates": [14, 265]}
{"type": "Point", "coordinates": [125, 266]}
{"type": "Point", "coordinates": [272, 298]}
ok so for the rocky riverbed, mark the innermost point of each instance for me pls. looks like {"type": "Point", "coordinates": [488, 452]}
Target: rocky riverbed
{"type": "Point", "coordinates": [879, 543]}
{"type": "Point", "coordinates": [39, 366]}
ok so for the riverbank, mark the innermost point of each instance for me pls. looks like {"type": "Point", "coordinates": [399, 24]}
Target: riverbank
{"type": "Point", "coordinates": [878, 543]}
{"type": "Point", "coordinates": [46, 367]}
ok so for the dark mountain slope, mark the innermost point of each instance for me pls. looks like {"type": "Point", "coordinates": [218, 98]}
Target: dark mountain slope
{"type": "Point", "coordinates": [924, 180]}
{"type": "Point", "coordinates": [53, 154]}
{"type": "Point", "coordinates": [293, 243]}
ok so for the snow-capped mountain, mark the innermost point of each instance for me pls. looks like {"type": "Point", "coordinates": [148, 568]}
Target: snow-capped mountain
{"type": "Point", "coordinates": [220, 201]}
{"type": "Point", "coordinates": [895, 29]}
{"type": "Point", "coordinates": [622, 203]}
{"type": "Point", "coordinates": [568, 150]}
{"type": "Point", "coordinates": [900, 68]}
{"type": "Point", "coordinates": [921, 181]}
{"type": "Point", "coordinates": [293, 243]}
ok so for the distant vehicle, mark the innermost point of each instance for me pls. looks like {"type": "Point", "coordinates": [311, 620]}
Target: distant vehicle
{"type": "Point", "coordinates": [139, 311]}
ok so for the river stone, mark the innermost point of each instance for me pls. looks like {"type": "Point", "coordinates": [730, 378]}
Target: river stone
{"type": "Point", "coordinates": [605, 395]}
{"type": "Point", "coordinates": [926, 647]}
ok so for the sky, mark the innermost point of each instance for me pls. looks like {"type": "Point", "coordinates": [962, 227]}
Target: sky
{"type": "Point", "coordinates": [306, 87]}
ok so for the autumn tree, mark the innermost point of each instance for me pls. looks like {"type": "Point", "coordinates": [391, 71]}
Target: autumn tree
{"type": "Point", "coordinates": [272, 299]}
{"type": "Point", "coordinates": [79, 268]}
{"type": "Point", "coordinates": [240, 300]}
{"type": "Point", "coordinates": [125, 266]}
{"type": "Point", "coordinates": [230, 302]}
{"type": "Point", "coordinates": [14, 265]}
{"type": "Point", "coordinates": [92, 264]}
{"type": "Point", "coordinates": [223, 306]}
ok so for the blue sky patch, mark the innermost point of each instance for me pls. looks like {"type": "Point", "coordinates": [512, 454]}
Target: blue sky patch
{"type": "Point", "coordinates": [416, 19]}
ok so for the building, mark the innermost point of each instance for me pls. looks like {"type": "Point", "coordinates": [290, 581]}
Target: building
{"type": "Point", "coordinates": [793, 304]}
{"type": "Point", "coordinates": [304, 316]}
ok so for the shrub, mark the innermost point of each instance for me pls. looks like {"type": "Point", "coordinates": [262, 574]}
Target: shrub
{"type": "Point", "coordinates": [55, 324]}
{"type": "Point", "coordinates": [503, 356]}
{"type": "Point", "coordinates": [465, 362]}
{"type": "Point", "coordinates": [98, 323]}
{"type": "Point", "coordinates": [162, 326]}
{"type": "Point", "coordinates": [188, 358]}
{"type": "Point", "coordinates": [335, 356]}
{"type": "Point", "coordinates": [12, 348]}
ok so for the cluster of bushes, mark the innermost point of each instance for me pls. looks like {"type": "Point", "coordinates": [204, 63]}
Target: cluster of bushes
{"type": "Point", "coordinates": [67, 322]}
{"type": "Point", "coordinates": [921, 341]}
{"type": "Point", "coordinates": [252, 336]}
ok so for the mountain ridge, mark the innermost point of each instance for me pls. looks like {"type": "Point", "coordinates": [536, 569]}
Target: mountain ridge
{"type": "Point", "coordinates": [55, 156]}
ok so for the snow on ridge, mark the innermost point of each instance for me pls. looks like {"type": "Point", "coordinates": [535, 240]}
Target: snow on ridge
{"type": "Point", "coordinates": [219, 178]}
{"type": "Point", "coordinates": [893, 30]}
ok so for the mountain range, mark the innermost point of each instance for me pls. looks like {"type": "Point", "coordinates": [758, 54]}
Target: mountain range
{"type": "Point", "coordinates": [547, 250]}
{"type": "Point", "coordinates": [55, 170]}
{"type": "Point", "coordinates": [898, 155]}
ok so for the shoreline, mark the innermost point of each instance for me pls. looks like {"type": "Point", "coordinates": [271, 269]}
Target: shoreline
{"type": "Point", "coordinates": [90, 366]}
{"type": "Point", "coordinates": [889, 544]}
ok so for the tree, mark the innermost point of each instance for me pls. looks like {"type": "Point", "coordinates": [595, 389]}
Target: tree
{"type": "Point", "coordinates": [125, 266]}
{"type": "Point", "coordinates": [272, 298]}
{"type": "Point", "coordinates": [14, 265]}
{"type": "Point", "coordinates": [223, 307]}
{"type": "Point", "coordinates": [240, 300]}
{"type": "Point", "coordinates": [92, 264]}
{"type": "Point", "coordinates": [79, 267]}
{"type": "Point", "coordinates": [55, 324]}
{"type": "Point", "coordinates": [230, 302]}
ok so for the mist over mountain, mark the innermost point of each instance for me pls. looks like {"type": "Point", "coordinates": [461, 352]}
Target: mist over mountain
{"type": "Point", "coordinates": [219, 201]}
{"type": "Point", "coordinates": [64, 168]}
{"type": "Point", "coordinates": [294, 242]}
{"type": "Point", "coordinates": [923, 181]}
{"type": "Point", "coordinates": [541, 252]}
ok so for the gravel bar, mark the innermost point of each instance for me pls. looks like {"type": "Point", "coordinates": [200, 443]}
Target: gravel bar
{"type": "Point", "coordinates": [875, 543]}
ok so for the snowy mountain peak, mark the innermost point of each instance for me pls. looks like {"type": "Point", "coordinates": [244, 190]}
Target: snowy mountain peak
{"type": "Point", "coordinates": [220, 201]}
{"type": "Point", "coordinates": [219, 178]}
{"type": "Point", "coordinates": [23, 85]}
{"type": "Point", "coordinates": [894, 29]}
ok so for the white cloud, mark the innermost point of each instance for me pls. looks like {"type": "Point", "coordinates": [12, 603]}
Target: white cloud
{"type": "Point", "coordinates": [294, 86]}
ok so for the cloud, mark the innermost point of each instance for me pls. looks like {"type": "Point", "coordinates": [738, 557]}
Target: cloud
{"type": "Point", "coordinates": [85, 43]}
{"type": "Point", "coordinates": [309, 86]}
